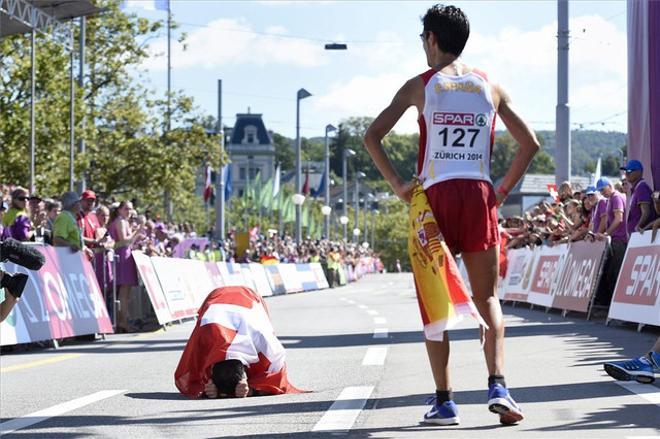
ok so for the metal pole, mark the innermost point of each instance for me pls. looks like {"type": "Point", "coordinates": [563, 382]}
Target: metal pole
{"type": "Point", "coordinates": [114, 289]}
{"type": "Point", "coordinates": [373, 230]}
{"type": "Point", "coordinates": [220, 175]}
{"type": "Point", "coordinates": [356, 205]}
{"type": "Point", "coordinates": [326, 199]}
{"type": "Point", "coordinates": [366, 217]}
{"type": "Point", "coordinates": [33, 66]}
{"type": "Point", "coordinates": [562, 129]}
{"type": "Point", "coordinates": [167, 198]}
{"type": "Point", "coordinates": [72, 122]}
{"type": "Point", "coordinates": [82, 185]}
{"type": "Point", "coordinates": [298, 170]}
{"type": "Point", "coordinates": [345, 201]}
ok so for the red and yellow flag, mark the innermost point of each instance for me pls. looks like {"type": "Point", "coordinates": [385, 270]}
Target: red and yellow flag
{"type": "Point", "coordinates": [441, 293]}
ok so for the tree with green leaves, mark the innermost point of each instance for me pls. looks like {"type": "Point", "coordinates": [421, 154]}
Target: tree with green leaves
{"type": "Point", "coordinates": [129, 152]}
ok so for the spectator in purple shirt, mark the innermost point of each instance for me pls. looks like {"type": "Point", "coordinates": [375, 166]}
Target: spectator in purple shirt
{"type": "Point", "coordinates": [640, 211]}
{"type": "Point", "coordinates": [16, 220]}
{"type": "Point", "coordinates": [615, 228]}
{"type": "Point", "coordinates": [599, 211]}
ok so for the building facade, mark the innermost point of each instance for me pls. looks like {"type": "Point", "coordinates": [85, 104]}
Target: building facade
{"type": "Point", "coordinates": [251, 151]}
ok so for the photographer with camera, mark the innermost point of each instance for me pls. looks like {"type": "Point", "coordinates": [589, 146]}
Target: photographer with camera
{"type": "Point", "coordinates": [20, 254]}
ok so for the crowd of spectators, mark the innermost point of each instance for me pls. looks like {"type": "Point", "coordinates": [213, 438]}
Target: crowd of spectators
{"type": "Point", "coordinates": [104, 230]}
{"type": "Point", "coordinates": [609, 211]}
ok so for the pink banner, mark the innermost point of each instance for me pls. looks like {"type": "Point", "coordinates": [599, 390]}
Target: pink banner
{"type": "Point", "coordinates": [61, 300]}
{"type": "Point", "coordinates": [153, 287]}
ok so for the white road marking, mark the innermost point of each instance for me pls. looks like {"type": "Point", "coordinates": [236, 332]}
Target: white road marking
{"type": "Point", "coordinates": [380, 320]}
{"type": "Point", "coordinates": [363, 306]}
{"type": "Point", "coordinates": [647, 391]}
{"type": "Point", "coordinates": [351, 302]}
{"type": "Point", "coordinates": [56, 410]}
{"type": "Point", "coordinates": [375, 356]}
{"type": "Point", "coordinates": [372, 312]}
{"type": "Point", "coordinates": [380, 333]}
{"type": "Point", "coordinates": [344, 411]}
{"type": "Point", "coordinates": [343, 299]}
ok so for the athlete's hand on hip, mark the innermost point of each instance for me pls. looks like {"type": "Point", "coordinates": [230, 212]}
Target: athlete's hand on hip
{"type": "Point", "coordinates": [500, 197]}
{"type": "Point", "coordinates": [404, 190]}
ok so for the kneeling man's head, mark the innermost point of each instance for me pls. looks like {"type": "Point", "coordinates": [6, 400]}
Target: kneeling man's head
{"type": "Point", "coordinates": [230, 378]}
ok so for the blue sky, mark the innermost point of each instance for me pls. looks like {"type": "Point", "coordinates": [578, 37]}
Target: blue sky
{"type": "Point", "coordinates": [265, 51]}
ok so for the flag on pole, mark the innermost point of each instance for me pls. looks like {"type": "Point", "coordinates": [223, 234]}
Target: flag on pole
{"type": "Point", "coordinates": [597, 172]}
{"type": "Point", "coordinates": [228, 186]}
{"type": "Point", "coordinates": [149, 5]}
{"type": "Point", "coordinates": [441, 293]}
{"type": "Point", "coordinates": [162, 5]}
{"type": "Point", "coordinates": [305, 188]}
{"type": "Point", "coordinates": [320, 190]}
{"type": "Point", "coordinates": [208, 187]}
{"type": "Point", "coordinates": [276, 183]}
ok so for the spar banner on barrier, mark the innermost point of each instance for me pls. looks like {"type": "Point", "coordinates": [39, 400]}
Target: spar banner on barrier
{"type": "Point", "coordinates": [63, 299]}
{"type": "Point", "coordinates": [231, 274]}
{"type": "Point", "coordinates": [518, 280]}
{"type": "Point", "coordinates": [637, 294]}
{"type": "Point", "coordinates": [576, 283]}
{"type": "Point", "coordinates": [152, 285]}
{"type": "Point", "coordinates": [275, 279]}
{"type": "Point", "coordinates": [547, 270]}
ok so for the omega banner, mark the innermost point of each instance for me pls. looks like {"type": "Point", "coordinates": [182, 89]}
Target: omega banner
{"type": "Point", "coordinates": [637, 294]}
{"type": "Point", "coordinates": [63, 299]}
{"type": "Point", "coordinates": [564, 276]}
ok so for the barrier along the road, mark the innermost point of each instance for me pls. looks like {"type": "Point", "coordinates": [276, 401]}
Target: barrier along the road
{"type": "Point", "coordinates": [567, 276]}
{"type": "Point", "coordinates": [63, 299]}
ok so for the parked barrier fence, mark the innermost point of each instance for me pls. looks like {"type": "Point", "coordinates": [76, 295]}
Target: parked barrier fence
{"type": "Point", "coordinates": [64, 298]}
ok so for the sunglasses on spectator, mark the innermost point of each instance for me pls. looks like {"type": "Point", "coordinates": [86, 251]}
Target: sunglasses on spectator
{"type": "Point", "coordinates": [24, 198]}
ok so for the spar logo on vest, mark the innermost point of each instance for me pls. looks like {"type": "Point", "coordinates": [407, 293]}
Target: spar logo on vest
{"type": "Point", "coordinates": [459, 119]}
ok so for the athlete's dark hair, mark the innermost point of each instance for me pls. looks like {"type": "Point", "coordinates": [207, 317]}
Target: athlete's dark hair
{"type": "Point", "coordinates": [226, 375]}
{"type": "Point", "coordinates": [449, 25]}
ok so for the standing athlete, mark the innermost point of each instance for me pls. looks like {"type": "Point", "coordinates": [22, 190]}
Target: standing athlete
{"type": "Point", "coordinates": [457, 109]}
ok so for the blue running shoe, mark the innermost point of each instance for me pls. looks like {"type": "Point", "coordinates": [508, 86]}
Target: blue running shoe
{"type": "Point", "coordinates": [441, 414]}
{"type": "Point", "coordinates": [501, 402]}
{"type": "Point", "coordinates": [640, 369]}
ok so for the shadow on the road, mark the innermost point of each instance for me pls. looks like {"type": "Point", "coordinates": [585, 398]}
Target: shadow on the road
{"type": "Point", "coordinates": [108, 346]}
{"type": "Point", "coordinates": [203, 411]}
{"type": "Point", "coordinates": [162, 396]}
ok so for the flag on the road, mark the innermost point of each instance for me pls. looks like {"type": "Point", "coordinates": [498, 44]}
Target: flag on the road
{"type": "Point", "coordinates": [233, 324]}
{"type": "Point", "coordinates": [441, 293]}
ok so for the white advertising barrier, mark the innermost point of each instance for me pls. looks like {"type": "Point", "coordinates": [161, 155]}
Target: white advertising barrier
{"type": "Point", "coordinates": [290, 278]}
{"type": "Point", "coordinates": [275, 279]}
{"type": "Point", "coordinates": [180, 299]}
{"type": "Point", "coordinates": [520, 270]}
{"type": "Point", "coordinates": [306, 277]}
{"type": "Point", "coordinates": [319, 274]}
{"type": "Point", "coordinates": [546, 274]}
{"type": "Point", "coordinates": [636, 297]}
{"type": "Point", "coordinates": [152, 285]}
{"type": "Point", "coordinates": [62, 299]}
{"type": "Point", "coordinates": [197, 281]}
{"type": "Point", "coordinates": [231, 274]}
{"type": "Point", "coordinates": [260, 279]}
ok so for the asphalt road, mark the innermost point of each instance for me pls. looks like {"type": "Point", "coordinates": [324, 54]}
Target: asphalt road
{"type": "Point", "coordinates": [359, 350]}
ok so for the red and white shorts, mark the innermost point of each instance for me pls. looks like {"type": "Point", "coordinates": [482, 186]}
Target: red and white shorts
{"type": "Point", "coordinates": [466, 213]}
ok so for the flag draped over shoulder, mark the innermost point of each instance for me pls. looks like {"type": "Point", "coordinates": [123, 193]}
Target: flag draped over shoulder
{"type": "Point", "coordinates": [441, 293]}
{"type": "Point", "coordinates": [233, 324]}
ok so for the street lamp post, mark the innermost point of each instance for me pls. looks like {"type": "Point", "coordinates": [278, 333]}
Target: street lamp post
{"type": "Point", "coordinates": [356, 198]}
{"type": "Point", "coordinates": [326, 225]}
{"type": "Point", "coordinates": [347, 153]}
{"type": "Point", "coordinates": [302, 94]}
{"type": "Point", "coordinates": [367, 205]}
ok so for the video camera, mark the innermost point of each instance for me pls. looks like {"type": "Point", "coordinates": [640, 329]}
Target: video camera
{"type": "Point", "coordinates": [20, 254]}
